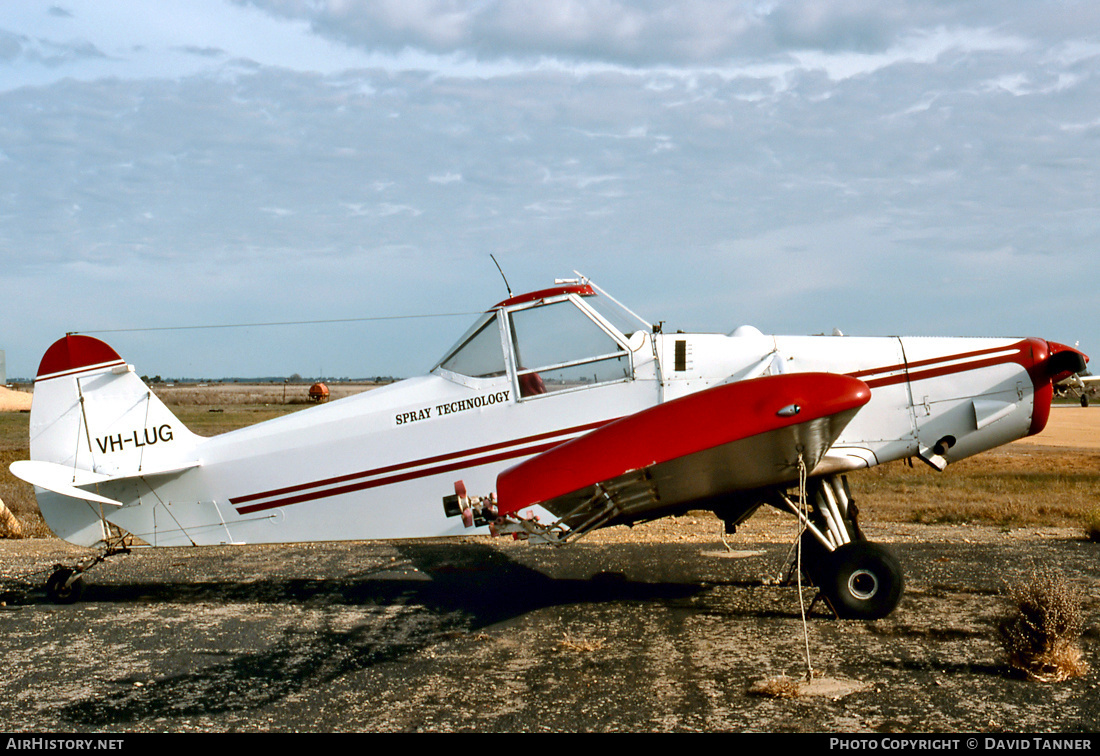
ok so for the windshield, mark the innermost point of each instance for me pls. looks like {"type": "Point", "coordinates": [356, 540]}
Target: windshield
{"type": "Point", "coordinates": [555, 334]}
{"type": "Point", "coordinates": [618, 316]}
{"type": "Point", "coordinates": [558, 347]}
{"type": "Point", "coordinates": [478, 353]}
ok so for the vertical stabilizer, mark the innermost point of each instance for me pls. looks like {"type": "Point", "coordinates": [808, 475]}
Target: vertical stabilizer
{"type": "Point", "coordinates": [92, 414]}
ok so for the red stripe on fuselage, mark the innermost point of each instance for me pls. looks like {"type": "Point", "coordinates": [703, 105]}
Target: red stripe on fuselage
{"type": "Point", "coordinates": [947, 365]}
{"type": "Point", "coordinates": [476, 461]}
{"type": "Point", "coordinates": [376, 482]}
{"type": "Point", "coordinates": [914, 376]}
{"type": "Point", "coordinates": [935, 360]}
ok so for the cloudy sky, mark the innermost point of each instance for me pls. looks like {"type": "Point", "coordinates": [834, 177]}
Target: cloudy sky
{"type": "Point", "coordinates": [881, 166]}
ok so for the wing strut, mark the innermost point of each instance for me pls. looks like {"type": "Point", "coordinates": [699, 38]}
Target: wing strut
{"type": "Point", "coordinates": [610, 499]}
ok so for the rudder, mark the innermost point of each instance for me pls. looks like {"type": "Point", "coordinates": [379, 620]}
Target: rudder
{"type": "Point", "coordinates": [90, 412]}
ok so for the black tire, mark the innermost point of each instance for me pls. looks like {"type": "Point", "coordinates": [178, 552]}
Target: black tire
{"type": "Point", "coordinates": [864, 581]}
{"type": "Point", "coordinates": [1084, 400]}
{"type": "Point", "coordinates": [815, 560]}
{"type": "Point", "coordinates": [60, 593]}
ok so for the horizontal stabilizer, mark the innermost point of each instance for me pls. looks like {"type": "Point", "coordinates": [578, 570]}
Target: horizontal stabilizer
{"type": "Point", "coordinates": [725, 439]}
{"type": "Point", "coordinates": [67, 481]}
{"type": "Point", "coordinates": [62, 479]}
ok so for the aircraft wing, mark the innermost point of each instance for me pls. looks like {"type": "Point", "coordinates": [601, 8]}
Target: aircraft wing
{"type": "Point", "coordinates": [716, 442]}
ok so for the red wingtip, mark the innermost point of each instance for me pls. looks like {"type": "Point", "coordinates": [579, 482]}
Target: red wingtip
{"type": "Point", "coordinates": [1048, 363]}
{"type": "Point", "coordinates": [74, 352]}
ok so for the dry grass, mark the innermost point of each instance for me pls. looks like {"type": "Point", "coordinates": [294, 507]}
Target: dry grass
{"type": "Point", "coordinates": [207, 421]}
{"type": "Point", "coordinates": [236, 394]}
{"type": "Point", "coordinates": [1043, 631]}
{"type": "Point", "coordinates": [17, 495]}
{"type": "Point", "coordinates": [1092, 525]}
{"type": "Point", "coordinates": [1009, 487]}
{"type": "Point", "coordinates": [577, 644]}
{"type": "Point", "coordinates": [776, 687]}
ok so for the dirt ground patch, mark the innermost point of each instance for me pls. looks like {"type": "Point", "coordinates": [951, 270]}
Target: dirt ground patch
{"type": "Point", "coordinates": [1069, 427]}
{"type": "Point", "coordinates": [12, 400]}
{"type": "Point", "coordinates": [491, 635]}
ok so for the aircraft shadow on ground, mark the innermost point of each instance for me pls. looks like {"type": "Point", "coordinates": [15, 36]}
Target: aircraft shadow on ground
{"type": "Point", "coordinates": [461, 588]}
{"type": "Point", "coordinates": [482, 583]}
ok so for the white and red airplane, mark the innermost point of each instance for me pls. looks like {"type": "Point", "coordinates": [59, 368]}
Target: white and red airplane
{"type": "Point", "coordinates": [577, 413]}
{"type": "Point", "coordinates": [1081, 386]}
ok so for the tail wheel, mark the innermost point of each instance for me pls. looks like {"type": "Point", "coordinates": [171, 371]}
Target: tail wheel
{"type": "Point", "coordinates": [864, 581]}
{"type": "Point", "coordinates": [60, 589]}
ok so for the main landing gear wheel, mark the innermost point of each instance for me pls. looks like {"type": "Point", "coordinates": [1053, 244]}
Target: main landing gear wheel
{"type": "Point", "coordinates": [60, 589]}
{"type": "Point", "coordinates": [862, 580]}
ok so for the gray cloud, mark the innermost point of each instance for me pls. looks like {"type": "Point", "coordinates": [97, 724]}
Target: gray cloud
{"type": "Point", "coordinates": [609, 30]}
{"type": "Point", "coordinates": [203, 52]}
{"type": "Point", "coordinates": [11, 46]}
{"type": "Point", "coordinates": [19, 48]}
{"type": "Point", "coordinates": [663, 32]}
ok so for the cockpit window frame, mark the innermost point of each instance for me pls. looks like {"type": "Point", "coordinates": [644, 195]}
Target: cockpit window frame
{"type": "Point", "coordinates": [484, 320]}
{"type": "Point", "coordinates": [595, 317]}
{"type": "Point", "coordinates": [502, 315]}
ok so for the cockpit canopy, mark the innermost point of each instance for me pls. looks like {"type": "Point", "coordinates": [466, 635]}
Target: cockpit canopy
{"type": "Point", "coordinates": [548, 341]}
{"type": "Point", "coordinates": [478, 354]}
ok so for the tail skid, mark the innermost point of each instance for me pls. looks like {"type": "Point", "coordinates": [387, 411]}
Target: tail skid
{"type": "Point", "coordinates": [94, 423]}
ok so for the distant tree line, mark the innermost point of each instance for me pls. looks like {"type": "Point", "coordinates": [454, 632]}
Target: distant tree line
{"type": "Point", "coordinates": [295, 378]}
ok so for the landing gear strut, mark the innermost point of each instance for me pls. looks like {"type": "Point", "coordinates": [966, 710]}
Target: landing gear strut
{"type": "Point", "coordinates": [859, 579]}
{"type": "Point", "coordinates": [66, 583]}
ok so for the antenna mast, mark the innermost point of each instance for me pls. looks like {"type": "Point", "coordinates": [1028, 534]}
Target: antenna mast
{"type": "Point", "coordinates": [506, 286]}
